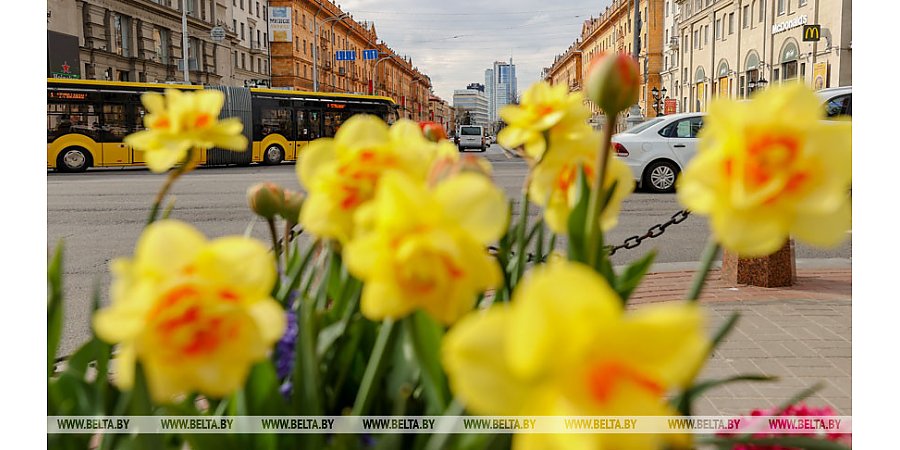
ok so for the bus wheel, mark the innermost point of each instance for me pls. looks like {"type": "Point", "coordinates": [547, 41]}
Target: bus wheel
{"type": "Point", "coordinates": [274, 154]}
{"type": "Point", "coordinates": [73, 159]}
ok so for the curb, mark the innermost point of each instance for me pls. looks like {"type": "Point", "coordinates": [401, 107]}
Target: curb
{"type": "Point", "coordinates": [802, 264]}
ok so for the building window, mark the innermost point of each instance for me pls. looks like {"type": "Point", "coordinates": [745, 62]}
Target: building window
{"type": "Point", "coordinates": [706, 35]}
{"type": "Point", "coordinates": [730, 23]}
{"type": "Point", "coordinates": [121, 35]}
{"type": "Point", "coordinates": [242, 5]}
{"type": "Point", "coordinates": [161, 44]}
{"type": "Point", "coordinates": [234, 25]}
{"type": "Point", "coordinates": [718, 31]}
{"type": "Point", "coordinates": [243, 60]}
{"type": "Point", "coordinates": [782, 7]}
{"type": "Point", "coordinates": [802, 3]}
{"type": "Point", "coordinates": [195, 49]}
{"type": "Point", "coordinates": [235, 57]}
{"type": "Point", "coordinates": [696, 39]}
{"type": "Point", "coordinates": [304, 46]}
{"type": "Point", "coordinates": [746, 19]}
{"type": "Point", "coordinates": [762, 11]}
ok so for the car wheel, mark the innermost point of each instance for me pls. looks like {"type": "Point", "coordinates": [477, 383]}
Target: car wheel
{"type": "Point", "coordinates": [660, 177]}
{"type": "Point", "coordinates": [274, 154]}
{"type": "Point", "coordinates": [483, 149]}
{"type": "Point", "coordinates": [73, 159]}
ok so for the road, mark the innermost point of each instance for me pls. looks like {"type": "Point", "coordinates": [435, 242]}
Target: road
{"type": "Point", "coordinates": [99, 215]}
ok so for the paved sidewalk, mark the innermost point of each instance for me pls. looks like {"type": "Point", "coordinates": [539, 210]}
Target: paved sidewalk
{"type": "Point", "coordinates": [802, 334]}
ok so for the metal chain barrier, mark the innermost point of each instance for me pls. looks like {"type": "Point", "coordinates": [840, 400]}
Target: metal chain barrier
{"type": "Point", "coordinates": [654, 232]}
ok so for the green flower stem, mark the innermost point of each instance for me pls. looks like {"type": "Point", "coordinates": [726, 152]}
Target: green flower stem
{"type": "Point", "coordinates": [178, 171]}
{"type": "Point", "coordinates": [276, 244]}
{"type": "Point", "coordinates": [592, 227]}
{"type": "Point", "coordinates": [521, 241]}
{"type": "Point", "coordinates": [375, 366]}
{"type": "Point", "coordinates": [709, 254]}
{"type": "Point", "coordinates": [431, 375]}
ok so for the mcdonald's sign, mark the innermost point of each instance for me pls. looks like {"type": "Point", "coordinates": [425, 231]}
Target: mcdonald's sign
{"type": "Point", "coordinates": [812, 33]}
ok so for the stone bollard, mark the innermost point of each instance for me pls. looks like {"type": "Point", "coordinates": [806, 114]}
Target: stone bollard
{"type": "Point", "coordinates": [776, 270]}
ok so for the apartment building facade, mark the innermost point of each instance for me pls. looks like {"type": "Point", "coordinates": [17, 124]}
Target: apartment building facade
{"type": "Point", "coordinates": [320, 47]}
{"type": "Point", "coordinates": [730, 48]}
{"type": "Point", "coordinates": [140, 40]}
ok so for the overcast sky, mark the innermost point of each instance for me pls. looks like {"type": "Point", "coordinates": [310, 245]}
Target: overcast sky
{"type": "Point", "coordinates": [454, 41]}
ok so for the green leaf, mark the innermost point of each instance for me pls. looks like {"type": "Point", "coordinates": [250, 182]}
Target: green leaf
{"type": "Point", "coordinates": [577, 218]}
{"type": "Point", "coordinates": [632, 275]}
{"type": "Point", "coordinates": [425, 335]}
{"type": "Point", "coordinates": [307, 388]}
{"type": "Point", "coordinates": [806, 443]}
{"type": "Point", "coordinates": [375, 367]}
{"type": "Point", "coordinates": [54, 306]}
{"type": "Point", "coordinates": [684, 401]}
{"type": "Point", "coordinates": [294, 272]}
{"type": "Point", "coordinates": [262, 390]}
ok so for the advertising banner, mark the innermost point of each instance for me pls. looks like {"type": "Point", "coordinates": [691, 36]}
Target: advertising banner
{"type": "Point", "coordinates": [671, 106]}
{"type": "Point", "coordinates": [280, 24]}
{"type": "Point", "coordinates": [820, 75]}
{"type": "Point", "coordinates": [62, 56]}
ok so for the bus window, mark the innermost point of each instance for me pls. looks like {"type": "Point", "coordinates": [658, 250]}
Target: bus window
{"type": "Point", "coordinates": [333, 121]}
{"type": "Point", "coordinates": [314, 123]}
{"type": "Point", "coordinates": [71, 118]}
{"type": "Point", "coordinates": [115, 125]}
{"type": "Point", "coordinates": [276, 120]}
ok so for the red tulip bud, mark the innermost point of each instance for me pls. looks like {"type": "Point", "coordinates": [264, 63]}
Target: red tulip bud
{"type": "Point", "coordinates": [614, 82]}
{"type": "Point", "coordinates": [293, 201]}
{"type": "Point", "coordinates": [266, 199]}
{"type": "Point", "coordinates": [433, 131]}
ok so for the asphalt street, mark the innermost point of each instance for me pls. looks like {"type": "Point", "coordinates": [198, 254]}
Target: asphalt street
{"type": "Point", "coordinates": [98, 215]}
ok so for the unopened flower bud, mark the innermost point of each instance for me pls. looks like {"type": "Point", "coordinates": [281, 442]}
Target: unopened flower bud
{"type": "Point", "coordinates": [433, 131]}
{"type": "Point", "coordinates": [293, 201]}
{"type": "Point", "coordinates": [266, 199]}
{"type": "Point", "coordinates": [613, 82]}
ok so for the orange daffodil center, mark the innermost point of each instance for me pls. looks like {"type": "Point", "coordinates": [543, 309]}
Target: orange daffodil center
{"type": "Point", "coordinates": [421, 248]}
{"type": "Point", "coordinates": [565, 346]}
{"type": "Point", "coordinates": [343, 173]}
{"type": "Point", "coordinates": [553, 183]}
{"type": "Point", "coordinates": [196, 314]}
{"type": "Point", "coordinates": [544, 109]}
{"type": "Point", "coordinates": [771, 168]}
{"type": "Point", "coordinates": [181, 122]}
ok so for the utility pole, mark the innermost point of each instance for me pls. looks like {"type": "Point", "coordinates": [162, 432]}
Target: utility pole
{"type": "Point", "coordinates": [185, 50]}
{"type": "Point", "coordinates": [316, 49]}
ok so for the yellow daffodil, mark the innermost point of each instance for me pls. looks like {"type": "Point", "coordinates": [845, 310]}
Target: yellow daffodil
{"type": "Point", "coordinates": [770, 168]}
{"type": "Point", "coordinates": [341, 174]}
{"type": "Point", "coordinates": [553, 181]}
{"type": "Point", "coordinates": [425, 249]}
{"type": "Point", "coordinates": [544, 109]}
{"type": "Point", "coordinates": [183, 121]}
{"type": "Point", "coordinates": [564, 346]}
{"type": "Point", "coordinates": [197, 314]}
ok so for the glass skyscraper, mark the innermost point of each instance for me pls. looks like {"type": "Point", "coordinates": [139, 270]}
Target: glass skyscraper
{"type": "Point", "coordinates": [500, 87]}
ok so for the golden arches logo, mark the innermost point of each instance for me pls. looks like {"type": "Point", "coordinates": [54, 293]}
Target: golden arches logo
{"type": "Point", "coordinates": [811, 33]}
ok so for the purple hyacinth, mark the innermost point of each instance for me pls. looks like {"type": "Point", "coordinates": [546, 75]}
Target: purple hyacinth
{"type": "Point", "coordinates": [284, 350]}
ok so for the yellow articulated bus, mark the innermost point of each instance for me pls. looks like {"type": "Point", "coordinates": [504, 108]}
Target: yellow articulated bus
{"type": "Point", "coordinates": [87, 121]}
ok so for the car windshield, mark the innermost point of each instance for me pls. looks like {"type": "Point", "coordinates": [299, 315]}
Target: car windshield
{"type": "Point", "coordinates": [470, 131]}
{"type": "Point", "coordinates": [643, 126]}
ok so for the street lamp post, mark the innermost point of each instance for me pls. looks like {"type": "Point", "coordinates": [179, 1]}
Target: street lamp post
{"type": "Point", "coordinates": [316, 46]}
{"type": "Point", "coordinates": [185, 52]}
{"type": "Point", "coordinates": [659, 98]}
{"type": "Point", "coordinates": [333, 21]}
{"type": "Point", "coordinates": [375, 71]}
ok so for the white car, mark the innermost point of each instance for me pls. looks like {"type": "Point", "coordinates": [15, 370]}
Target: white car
{"type": "Point", "coordinates": [657, 150]}
{"type": "Point", "coordinates": [838, 101]}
